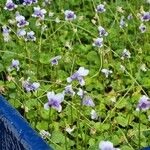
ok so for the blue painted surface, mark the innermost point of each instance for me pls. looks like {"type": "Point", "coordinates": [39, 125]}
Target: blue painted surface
{"type": "Point", "coordinates": [15, 132]}
{"type": "Point", "coordinates": [147, 148]}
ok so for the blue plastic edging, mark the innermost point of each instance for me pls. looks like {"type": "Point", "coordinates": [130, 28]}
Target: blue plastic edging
{"type": "Point", "coordinates": [15, 132]}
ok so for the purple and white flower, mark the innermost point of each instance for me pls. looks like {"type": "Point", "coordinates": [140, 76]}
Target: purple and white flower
{"type": "Point", "coordinates": [54, 60]}
{"type": "Point", "coordinates": [106, 72]}
{"type": "Point", "coordinates": [107, 145]}
{"type": "Point", "coordinates": [30, 87]}
{"type": "Point", "coordinates": [27, 2]}
{"type": "Point", "coordinates": [87, 101]}
{"type": "Point", "coordinates": [130, 16]}
{"type": "Point", "coordinates": [69, 90]}
{"type": "Point", "coordinates": [102, 31]}
{"type": "Point", "coordinates": [100, 8]}
{"type": "Point", "coordinates": [21, 20]}
{"type": "Point", "coordinates": [94, 115]}
{"type": "Point", "coordinates": [98, 42]}
{"type": "Point", "coordinates": [143, 104]}
{"type": "Point", "coordinates": [81, 93]}
{"type": "Point", "coordinates": [30, 36]}
{"type": "Point", "coordinates": [21, 32]}
{"type": "Point", "coordinates": [145, 16]}
{"type": "Point", "coordinates": [79, 76]}
{"type": "Point", "coordinates": [10, 5]}
{"type": "Point", "coordinates": [54, 101]}
{"type": "Point", "coordinates": [125, 54]}
{"type": "Point", "coordinates": [5, 33]}
{"type": "Point", "coordinates": [39, 13]}
{"type": "Point", "coordinates": [122, 22]}
{"type": "Point", "coordinates": [142, 28]}
{"type": "Point", "coordinates": [14, 65]}
{"type": "Point", "coordinates": [69, 15]}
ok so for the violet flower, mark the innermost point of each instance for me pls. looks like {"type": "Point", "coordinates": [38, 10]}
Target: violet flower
{"type": "Point", "coordinates": [78, 75]}
{"type": "Point", "coordinates": [107, 145]}
{"type": "Point", "coordinates": [14, 65]}
{"type": "Point", "coordinates": [122, 22]}
{"type": "Point", "coordinates": [102, 31]}
{"type": "Point", "coordinates": [30, 36]}
{"type": "Point", "coordinates": [27, 2]}
{"type": "Point", "coordinates": [10, 5]}
{"type": "Point", "coordinates": [100, 8]}
{"type": "Point", "coordinates": [106, 72]}
{"type": "Point", "coordinates": [143, 104]}
{"type": "Point", "coordinates": [54, 60]}
{"type": "Point", "coordinates": [98, 42]}
{"type": "Point", "coordinates": [54, 101]}
{"type": "Point", "coordinates": [125, 54]}
{"type": "Point", "coordinates": [39, 13]}
{"type": "Point", "coordinates": [88, 102]}
{"type": "Point", "coordinates": [81, 93]}
{"type": "Point", "coordinates": [30, 87]}
{"type": "Point", "coordinates": [94, 115]}
{"type": "Point", "coordinates": [69, 90]}
{"type": "Point", "coordinates": [145, 16]}
{"type": "Point", "coordinates": [69, 15]}
{"type": "Point", "coordinates": [21, 20]}
{"type": "Point", "coordinates": [5, 33]}
{"type": "Point", "coordinates": [142, 28]}
{"type": "Point", "coordinates": [21, 32]}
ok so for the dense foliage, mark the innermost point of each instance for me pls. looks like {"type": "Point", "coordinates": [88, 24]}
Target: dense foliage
{"type": "Point", "coordinates": [78, 70]}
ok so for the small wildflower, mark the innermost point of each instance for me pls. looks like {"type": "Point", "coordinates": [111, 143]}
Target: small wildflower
{"type": "Point", "coordinates": [142, 28]}
{"type": "Point", "coordinates": [10, 5]}
{"type": "Point", "coordinates": [79, 76]}
{"type": "Point", "coordinates": [5, 33]}
{"type": "Point", "coordinates": [106, 72]}
{"type": "Point", "coordinates": [88, 102]}
{"type": "Point", "coordinates": [27, 2]}
{"type": "Point", "coordinates": [81, 93]}
{"type": "Point", "coordinates": [94, 115]}
{"type": "Point", "coordinates": [30, 36]}
{"type": "Point", "coordinates": [102, 31]}
{"type": "Point", "coordinates": [122, 22]}
{"type": "Point", "coordinates": [69, 90]}
{"type": "Point", "coordinates": [54, 60]}
{"type": "Point", "coordinates": [14, 65]}
{"type": "Point", "coordinates": [125, 54]}
{"type": "Point", "coordinates": [30, 87]}
{"type": "Point", "coordinates": [130, 16]}
{"type": "Point", "coordinates": [107, 145]}
{"type": "Point", "coordinates": [38, 12]}
{"type": "Point", "coordinates": [69, 15]}
{"type": "Point", "coordinates": [143, 104]}
{"type": "Point", "coordinates": [145, 16]}
{"type": "Point", "coordinates": [98, 42]}
{"type": "Point", "coordinates": [21, 32]}
{"type": "Point", "coordinates": [21, 20]}
{"type": "Point", "coordinates": [54, 101]}
{"type": "Point", "coordinates": [44, 134]}
{"type": "Point", "coordinates": [100, 8]}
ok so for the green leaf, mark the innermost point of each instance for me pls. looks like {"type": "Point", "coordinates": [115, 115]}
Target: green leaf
{"type": "Point", "coordinates": [121, 121]}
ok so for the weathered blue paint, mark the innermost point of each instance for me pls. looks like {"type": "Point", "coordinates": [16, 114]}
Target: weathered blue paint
{"type": "Point", "coordinates": [15, 132]}
{"type": "Point", "coordinates": [146, 148]}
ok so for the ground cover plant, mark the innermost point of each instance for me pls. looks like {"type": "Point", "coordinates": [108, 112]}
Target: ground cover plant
{"type": "Point", "coordinates": [78, 70]}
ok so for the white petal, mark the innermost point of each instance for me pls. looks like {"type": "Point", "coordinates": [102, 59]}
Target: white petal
{"type": "Point", "coordinates": [46, 106]}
